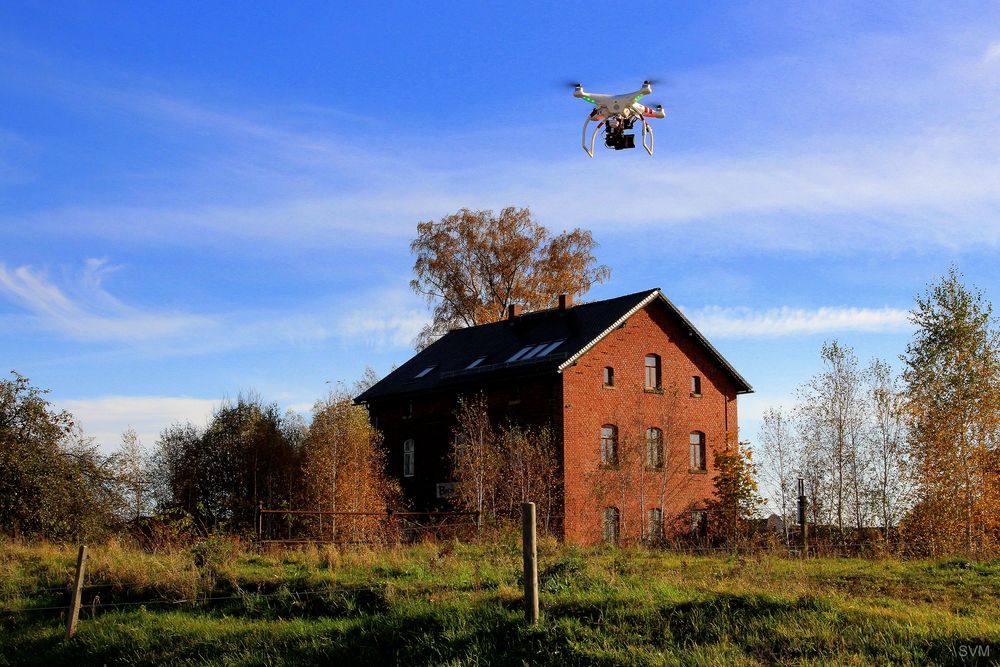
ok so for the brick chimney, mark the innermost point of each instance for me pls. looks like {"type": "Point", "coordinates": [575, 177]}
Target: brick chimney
{"type": "Point", "coordinates": [565, 301]}
{"type": "Point", "coordinates": [513, 311]}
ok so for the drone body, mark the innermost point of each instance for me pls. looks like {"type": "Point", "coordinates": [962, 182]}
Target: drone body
{"type": "Point", "coordinates": [616, 114]}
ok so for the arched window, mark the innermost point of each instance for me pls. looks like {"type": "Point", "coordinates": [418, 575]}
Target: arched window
{"type": "Point", "coordinates": [653, 372]}
{"type": "Point", "coordinates": [408, 458]}
{"type": "Point", "coordinates": [609, 445]}
{"type": "Point", "coordinates": [611, 525]}
{"type": "Point", "coordinates": [654, 525]}
{"type": "Point", "coordinates": [697, 450]}
{"type": "Point", "coordinates": [654, 447]}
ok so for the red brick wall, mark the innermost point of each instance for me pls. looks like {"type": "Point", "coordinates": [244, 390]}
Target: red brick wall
{"type": "Point", "coordinates": [587, 405]}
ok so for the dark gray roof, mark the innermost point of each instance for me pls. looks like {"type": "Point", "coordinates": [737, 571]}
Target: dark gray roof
{"type": "Point", "coordinates": [578, 327]}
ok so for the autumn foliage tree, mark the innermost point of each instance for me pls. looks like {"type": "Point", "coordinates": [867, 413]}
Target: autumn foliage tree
{"type": "Point", "coordinates": [343, 470]}
{"type": "Point", "coordinates": [471, 265]}
{"type": "Point", "coordinates": [736, 498]}
{"type": "Point", "coordinates": [475, 457]}
{"type": "Point", "coordinates": [952, 377]}
{"type": "Point", "coordinates": [496, 468]}
{"type": "Point", "coordinates": [531, 469]}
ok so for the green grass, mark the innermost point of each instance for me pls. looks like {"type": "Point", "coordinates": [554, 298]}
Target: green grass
{"type": "Point", "coordinates": [460, 604]}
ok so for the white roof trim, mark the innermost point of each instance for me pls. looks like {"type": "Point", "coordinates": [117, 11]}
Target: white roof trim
{"type": "Point", "coordinates": [642, 304]}
{"type": "Point", "coordinates": [617, 323]}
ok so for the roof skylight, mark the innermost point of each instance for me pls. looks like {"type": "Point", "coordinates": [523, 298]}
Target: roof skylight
{"type": "Point", "coordinates": [424, 372]}
{"type": "Point", "coordinates": [551, 347]}
{"type": "Point", "coordinates": [475, 362]}
{"type": "Point", "coordinates": [520, 353]}
{"type": "Point", "coordinates": [534, 351]}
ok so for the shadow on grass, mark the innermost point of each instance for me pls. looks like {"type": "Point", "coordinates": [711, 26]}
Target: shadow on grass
{"type": "Point", "coordinates": [574, 631]}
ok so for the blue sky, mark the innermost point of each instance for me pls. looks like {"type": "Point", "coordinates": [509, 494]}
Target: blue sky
{"type": "Point", "coordinates": [200, 201]}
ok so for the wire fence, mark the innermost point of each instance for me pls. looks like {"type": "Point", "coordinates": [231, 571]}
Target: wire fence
{"type": "Point", "coordinates": [200, 600]}
{"type": "Point", "coordinates": [280, 526]}
{"type": "Point", "coordinates": [93, 604]}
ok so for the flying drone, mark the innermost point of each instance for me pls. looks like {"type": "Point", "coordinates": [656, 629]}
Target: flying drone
{"type": "Point", "coordinates": [617, 114]}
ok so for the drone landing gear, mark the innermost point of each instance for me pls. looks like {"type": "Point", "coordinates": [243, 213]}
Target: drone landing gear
{"type": "Point", "coordinates": [647, 130]}
{"type": "Point", "coordinates": [593, 137]}
{"type": "Point", "coordinates": [618, 140]}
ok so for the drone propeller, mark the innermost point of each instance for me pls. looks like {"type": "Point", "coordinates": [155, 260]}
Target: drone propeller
{"type": "Point", "coordinates": [659, 82]}
{"type": "Point", "coordinates": [567, 83]}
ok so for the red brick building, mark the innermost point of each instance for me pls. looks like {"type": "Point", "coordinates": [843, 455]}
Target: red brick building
{"type": "Point", "coordinates": [639, 399]}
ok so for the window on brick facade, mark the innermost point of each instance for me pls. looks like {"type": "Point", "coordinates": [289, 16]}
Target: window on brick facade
{"type": "Point", "coordinates": [609, 376]}
{"type": "Point", "coordinates": [611, 524]}
{"type": "Point", "coordinates": [654, 447]}
{"type": "Point", "coordinates": [408, 412]}
{"type": "Point", "coordinates": [697, 450]}
{"type": "Point", "coordinates": [609, 445]}
{"type": "Point", "coordinates": [654, 525]}
{"type": "Point", "coordinates": [408, 458]}
{"type": "Point", "coordinates": [699, 522]}
{"type": "Point", "coordinates": [696, 385]}
{"type": "Point", "coordinates": [653, 371]}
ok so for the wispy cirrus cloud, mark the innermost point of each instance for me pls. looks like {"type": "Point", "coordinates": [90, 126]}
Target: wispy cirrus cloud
{"type": "Point", "coordinates": [772, 322]}
{"type": "Point", "coordinates": [87, 311]}
{"type": "Point", "coordinates": [82, 309]}
{"type": "Point", "coordinates": [887, 177]}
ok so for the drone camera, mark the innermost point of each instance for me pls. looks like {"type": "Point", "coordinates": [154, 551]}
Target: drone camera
{"type": "Point", "coordinates": [620, 141]}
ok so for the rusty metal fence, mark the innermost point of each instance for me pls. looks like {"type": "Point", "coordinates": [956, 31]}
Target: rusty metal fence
{"type": "Point", "coordinates": [293, 526]}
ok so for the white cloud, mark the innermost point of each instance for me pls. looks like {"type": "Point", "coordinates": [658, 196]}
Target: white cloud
{"type": "Point", "coordinates": [89, 312]}
{"type": "Point", "coordinates": [720, 322]}
{"type": "Point", "coordinates": [105, 418]}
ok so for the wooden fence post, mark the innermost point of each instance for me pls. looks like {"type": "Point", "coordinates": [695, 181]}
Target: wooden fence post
{"type": "Point", "coordinates": [530, 562]}
{"type": "Point", "coordinates": [74, 603]}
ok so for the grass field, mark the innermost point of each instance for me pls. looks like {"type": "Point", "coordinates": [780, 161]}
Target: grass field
{"type": "Point", "coordinates": [460, 604]}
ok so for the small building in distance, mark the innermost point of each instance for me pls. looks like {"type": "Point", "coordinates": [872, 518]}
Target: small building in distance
{"type": "Point", "coordinates": [638, 398]}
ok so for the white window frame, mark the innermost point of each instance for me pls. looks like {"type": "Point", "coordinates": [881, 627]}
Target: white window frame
{"type": "Point", "coordinates": [654, 524]}
{"type": "Point", "coordinates": [409, 457]}
{"type": "Point", "coordinates": [697, 440]}
{"type": "Point", "coordinates": [611, 521]}
{"type": "Point", "coordinates": [609, 446]}
{"type": "Point", "coordinates": [654, 448]}
{"type": "Point", "coordinates": [657, 371]}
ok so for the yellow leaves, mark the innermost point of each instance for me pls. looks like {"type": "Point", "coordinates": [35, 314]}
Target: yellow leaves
{"type": "Point", "coordinates": [472, 264]}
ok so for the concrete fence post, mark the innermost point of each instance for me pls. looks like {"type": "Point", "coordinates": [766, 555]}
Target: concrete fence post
{"type": "Point", "coordinates": [74, 602]}
{"type": "Point", "coordinates": [804, 517]}
{"type": "Point", "coordinates": [530, 562]}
